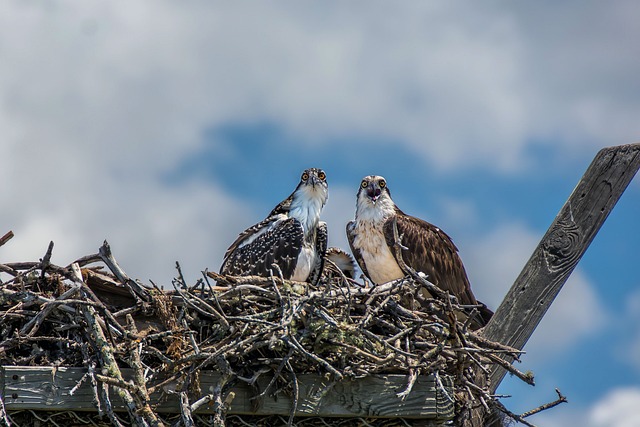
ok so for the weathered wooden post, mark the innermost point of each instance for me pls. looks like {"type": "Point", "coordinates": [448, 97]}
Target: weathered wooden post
{"type": "Point", "coordinates": [559, 251]}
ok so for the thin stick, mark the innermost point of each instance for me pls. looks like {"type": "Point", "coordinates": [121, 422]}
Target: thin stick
{"type": "Point", "coordinates": [559, 400]}
{"type": "Point", "coordinates": [8, 236]}
{"type": "Point", "coordinates": [46, 260]}
{"type": "Point", "coordinates": [185, 410]}
{"type": "Point", "coordinates": [136, 290]}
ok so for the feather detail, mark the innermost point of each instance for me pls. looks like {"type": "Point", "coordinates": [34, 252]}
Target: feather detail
{"type": "Point", "coordinates": [291, 236]}
{"type": "Point", "coordinates": [429, 249]}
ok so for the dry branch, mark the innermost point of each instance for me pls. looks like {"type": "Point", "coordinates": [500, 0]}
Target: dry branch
{"type": "Point", "coordinates": [243, 327]}
{"type": "Point", "coordinates": [4, 239]}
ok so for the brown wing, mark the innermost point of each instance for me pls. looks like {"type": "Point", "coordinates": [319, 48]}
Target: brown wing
{"type": "Point", "coordinates": [351, 228]}
{"type": "Point", "coordinates": [431, 251]}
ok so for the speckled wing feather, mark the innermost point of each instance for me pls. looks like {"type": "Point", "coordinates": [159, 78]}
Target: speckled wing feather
{"type": "Point", "coordinates": [258, 228]}
{"type": "Point", "coordinates": [279, 243]}
{"type": "Point", "coordinates": [321, 250]}
{"type": "Point", "coordinates": [343, 260]}
{"type": "Point", "coordinates": [351, 227]}
{"type": "Point", "coordinates": [433, 252]}
{"type": "Point", "coordinates": [283, 207]}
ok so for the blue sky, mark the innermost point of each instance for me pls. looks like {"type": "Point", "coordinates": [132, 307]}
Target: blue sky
{"type": "Point", "coordinates": [168, 127]}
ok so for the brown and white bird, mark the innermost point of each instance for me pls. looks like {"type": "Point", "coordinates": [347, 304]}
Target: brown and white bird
{"type": "Point", "coordinates": [428, 249]}
{"type": "Point", "coordinates": [291, 236]}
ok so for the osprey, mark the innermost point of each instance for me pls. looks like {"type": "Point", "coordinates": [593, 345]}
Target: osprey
{"type": "Point", "coordinates": [426, 248]}
{"type": "Point", "coordinates": [291, 236]}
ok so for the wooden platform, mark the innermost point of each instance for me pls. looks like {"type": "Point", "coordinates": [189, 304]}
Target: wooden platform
{"type": "Point", "coordinates": [49, 389]}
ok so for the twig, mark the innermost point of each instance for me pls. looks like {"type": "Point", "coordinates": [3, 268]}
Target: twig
{"type": "Point", "coordinates": [3, 412]}
{"type": "Point", "coordinates": [220, 406]}
{"type": "Point", "coordinates": [413, 376]}
{"type": "Point", "coordinates": [107, 357]}
{"type": "Point", "coordinates": [79, 383]}
{"type": "Point", "coordinates": [139, 377]}
{"type": "Point", "coordinates": [512, 415]}
{"type": "Point", "coordinates": [45, 261]}
{"type": "Point", "coordinates": [527, 377]}
{"type": "Point", "coordinates": [196, 303]}
{"type": "Point", "coordinates": [104, 393]}
{"type": "Point", "coordinates": [185, 410]}
{"type": "Point", "coordinates": [204, 400]}
{"type": "Point", "coordinates": [136, 290]}
{"type": "Point", "coordinates": [559, 400]}
{"type": "Point", "coordinates": [248, 328]}
{"type": "Point", "coordinates": [33, 325]}
{"type": "Point", "coordinates": [7, 236]}
{"type": "Point", "coordinates": [290, 340]}
{"type": "Point", "coordinates": [87, 259]}
{"type": "Point", "coordinates": [275, 376]}
{"type": "Point", "coordinates": [296, 393]}
{"type": "Point", "coordinates": [181, 276]}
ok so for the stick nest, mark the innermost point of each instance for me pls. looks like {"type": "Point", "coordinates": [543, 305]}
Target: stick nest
{"type": "Point", "coordinates": [91, 314]}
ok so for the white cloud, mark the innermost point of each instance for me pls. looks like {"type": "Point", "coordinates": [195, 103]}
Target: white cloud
{"type": "Point", "coordinates": [576, 313]}
{"type": "Point", "coordinates": [339, 210]}
{"type": "Point", "coordinates": [459, 85]}
{"type": "Point", "coordinates": [463, 213]}
{"type": "Point", "coordinates": [618, 408]}
{"type": "Point", "coordinates": [97, 100]}
{"type": "Point", "coordinates": [629, 349]}
{"type": "Point", "coordinates": [494, 260]}
{"type": "Point", "coordinates": [578, 69]}
{"type": "Point", "coordinates": [148, 227]}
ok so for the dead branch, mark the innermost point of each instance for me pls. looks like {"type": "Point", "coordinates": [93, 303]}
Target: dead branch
{"type": "Point", "coordinates": [243, 327]}
{"type": "Point", "coordinates": [7, 236]}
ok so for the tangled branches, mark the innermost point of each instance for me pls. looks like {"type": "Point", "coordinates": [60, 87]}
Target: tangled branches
{"type": "Point", "coordinates": [243, 328]}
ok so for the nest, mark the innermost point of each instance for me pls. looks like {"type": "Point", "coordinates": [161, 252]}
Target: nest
{"type": "Point", "coordinates": [91, 314]}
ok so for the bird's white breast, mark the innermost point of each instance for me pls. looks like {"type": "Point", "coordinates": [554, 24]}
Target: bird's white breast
{"type": "Point", "coordinates": [378, 259]}
{"type": "Point", "coordinates": [305, 264]}
{"type": "Point", "coordinates": [306, 207]}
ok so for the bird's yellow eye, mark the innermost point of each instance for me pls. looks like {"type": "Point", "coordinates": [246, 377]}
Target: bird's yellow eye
{"type": "Point", "coordinates": [305, 176]}
{"type": "Point", "coordinates": [321, 175]}
{"type": "Point", "coordinates": [364, 184]}
{"type": "Point", "coordinates": [382, 183]}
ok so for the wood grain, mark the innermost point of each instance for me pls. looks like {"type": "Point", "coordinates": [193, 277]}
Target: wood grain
{"type": "Point", "coordinates": [48, 388]}
{"type": "Point", "coordinates": [561, 248]}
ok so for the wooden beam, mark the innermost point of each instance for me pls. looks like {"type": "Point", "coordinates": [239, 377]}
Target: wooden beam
{"type": "Point", "coordinates": [49, 389]}
{"type": "Point", "coordinates": [561, 248]}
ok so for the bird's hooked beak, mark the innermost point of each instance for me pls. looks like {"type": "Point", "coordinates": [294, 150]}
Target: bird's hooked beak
{"type": "Point", "coordinates": [374, 192]}
{"type": "Point", "coordinates": [313, 180]}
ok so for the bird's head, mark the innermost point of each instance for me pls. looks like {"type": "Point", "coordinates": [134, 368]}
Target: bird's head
{"type": "Point", "coordinates": [313, 185]}
{"type": "Point", "coordinates": [374, 197]}
{"type": "Point", "coordinates": [373, 188]}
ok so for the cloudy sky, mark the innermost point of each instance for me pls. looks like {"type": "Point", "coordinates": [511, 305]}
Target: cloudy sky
{"type": "Point", "coordinates": [168, 127]}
